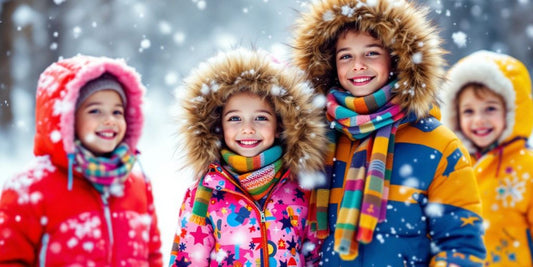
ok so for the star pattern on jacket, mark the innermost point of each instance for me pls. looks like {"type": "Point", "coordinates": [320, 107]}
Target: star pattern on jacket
{"type": "Point", "coordinates": [198, 235]}
{"type": "Point", "coordinates": [468, 220]}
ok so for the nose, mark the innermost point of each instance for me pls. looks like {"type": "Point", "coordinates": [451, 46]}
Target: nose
{"type": "Point", "coordinates": [109, 119]}
{"type": "Point", "coordinates": [247, 128]}
{"type": "Point", "coordinates": [359, 64]}
{"type": "Point", "coordinates": [478, 119]}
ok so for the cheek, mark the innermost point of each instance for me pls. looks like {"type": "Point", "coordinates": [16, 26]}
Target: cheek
{"type": "Point", "coordinates": [341, 70]}
{"type": "Point", "coordinates": [227, 132]}
{"type": "Point", "coordinates": [88, 138]}
{"type": "Point", "coordinates": [464, 124]}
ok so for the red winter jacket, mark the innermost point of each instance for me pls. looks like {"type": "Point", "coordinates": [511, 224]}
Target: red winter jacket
{"type": "Point", "coordinates": [42, 222]}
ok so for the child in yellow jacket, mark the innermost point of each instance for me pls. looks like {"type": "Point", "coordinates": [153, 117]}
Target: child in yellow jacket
{"type": "Point", "coordinates": [486, 94]}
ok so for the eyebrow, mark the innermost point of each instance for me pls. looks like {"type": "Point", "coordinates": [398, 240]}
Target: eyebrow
{"type": "Point", "coordinates": [368, 46]}
{"type": "Point", "coordinates": [256, 111]}
{"type": "Point", "coordinates": [494, 102]}
{"type": "Point", "coordinates": [95, 103]}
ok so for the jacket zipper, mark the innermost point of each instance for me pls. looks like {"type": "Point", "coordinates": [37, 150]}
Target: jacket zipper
{"type": "Point", "coordinates": [258, 210]}
{"type": "Point", "coordinates": [107, 215]}
{"type": "Point", "coordinates": [42, 253]}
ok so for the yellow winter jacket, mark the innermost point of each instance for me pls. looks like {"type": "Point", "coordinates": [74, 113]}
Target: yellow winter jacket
{"type": "Point", "coordinates": [505, 173]}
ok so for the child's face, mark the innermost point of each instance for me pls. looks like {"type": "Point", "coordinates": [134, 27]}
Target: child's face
{"type": "Point", "coordinates": [249, 124]}
{"type": "Point", "coordinates": [100, 122]}
{"type": "Point", "coordinates": [481, 118]}
{"type": "Point", "coordinates": [363, 64]}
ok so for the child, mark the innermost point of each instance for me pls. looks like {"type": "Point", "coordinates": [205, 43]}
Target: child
{"type": "Point", "coordinates": [78, 204]}
{"type": "Point", "coordinates": [485, 95]}
{"type": "Point", "coordinates": [250, 129]}
{"type": "Point", "coordinates": [402, 192]}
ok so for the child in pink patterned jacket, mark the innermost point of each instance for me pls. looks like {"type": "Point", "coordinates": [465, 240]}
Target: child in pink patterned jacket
{"type": "Point", "coordinates": [251, 131]}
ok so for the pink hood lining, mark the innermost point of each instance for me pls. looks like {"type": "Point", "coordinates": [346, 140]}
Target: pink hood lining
{"type": "Point", "coordinates": [134, 90]}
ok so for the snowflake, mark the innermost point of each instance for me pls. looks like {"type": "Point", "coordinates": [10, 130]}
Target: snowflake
{"type": "Point", "coordinates": [319, 101]}
{"type": "Point", "coordinates": [348, 11]}
{"type": "Point", "coordinates": [459, 38]}
{"type": "Point", "coordinates": [328, 16]}
{"type": "Point", "coordinates": [510, 191]}
{"type": "Point", "coordinates": [417, 58]}
{"type": "Point", "coordinates": [278, 90]}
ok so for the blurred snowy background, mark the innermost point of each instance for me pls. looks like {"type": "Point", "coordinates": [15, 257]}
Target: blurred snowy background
{"type": "Point", "coordinates": [164, 40]}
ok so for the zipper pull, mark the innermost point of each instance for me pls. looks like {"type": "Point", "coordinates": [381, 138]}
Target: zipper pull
{"type": "Point", "coordinates": [263, 218]}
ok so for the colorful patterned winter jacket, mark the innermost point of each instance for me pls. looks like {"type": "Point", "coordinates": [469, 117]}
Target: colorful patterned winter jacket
{"type": "Point", "coordinates": [240, 233]}
{"type": "Point", "coordinates": [505, 173]}
{"type": "Point", "coordinates": [42, 222]}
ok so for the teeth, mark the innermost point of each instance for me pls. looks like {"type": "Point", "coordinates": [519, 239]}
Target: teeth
{"type": "Point", "coordinates": [360, 80]}
{"type": "Point", "coordinates": [248, 142]}
{"type": "Point", "coordinates": [482, 131]}
{"type": "Point", "coordinates": [107, 134]}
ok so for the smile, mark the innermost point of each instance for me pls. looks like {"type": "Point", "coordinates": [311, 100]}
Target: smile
{"type": "Point", "coordinates": [361, 80]}
{"type": "Point", "coordinates": [106, 134]}
{"type": "Point", "coordinates": [248, 143]}
{"type": "Point", "coordinates": [482, 132]}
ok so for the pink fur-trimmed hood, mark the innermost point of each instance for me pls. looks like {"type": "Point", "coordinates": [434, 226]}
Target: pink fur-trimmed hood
{"type": "Point", "coordinates": [57, 90]}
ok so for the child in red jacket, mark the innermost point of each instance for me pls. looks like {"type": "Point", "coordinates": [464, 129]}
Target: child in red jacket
{"type": "Point", "coordinates": [79, 203]}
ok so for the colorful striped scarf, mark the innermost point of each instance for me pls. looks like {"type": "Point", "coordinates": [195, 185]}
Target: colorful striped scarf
{"type": "Point", "coordinates": [372, 121]}
{"type": "Point", "coordinates": [104, 172]}
{"type": "Point", "coordinates": [269, 159]}
{"type": "Point", "coordinates": [256, 174]}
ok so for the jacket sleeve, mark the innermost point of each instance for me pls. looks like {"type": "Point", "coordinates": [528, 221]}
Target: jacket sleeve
{"type": "Point", "coordinates": [21, 229]}
{"type": "Point", "coordinates": [193, 243]}
{"type": "Point", "coordinates": [453, 210]}
{"type": "Point", "coordinates": [155, 255]}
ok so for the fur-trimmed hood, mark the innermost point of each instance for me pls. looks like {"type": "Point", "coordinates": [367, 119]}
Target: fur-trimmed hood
{"type": "Point", "coordinates": [212, 83]}
{"type": "Point", "coordinates": [401, 26]}
{"type": "Point", "coordinates": [57, 91]}
{"type": "Point", "coordinates": [504, 75]}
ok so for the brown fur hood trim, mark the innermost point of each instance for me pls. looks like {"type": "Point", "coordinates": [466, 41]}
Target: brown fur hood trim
{"type": "Point", "coordinates": [209, 86]}
{"type": "Point", "coordinates": [402, 27]}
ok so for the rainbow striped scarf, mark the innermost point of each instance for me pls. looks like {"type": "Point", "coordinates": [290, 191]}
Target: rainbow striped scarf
{"type": "Point", "coordinates": [270, 160]}
{"type": "Point", "coordinates": [256, 174]}
{"type": "Point", "coordinates": [372, 121]}
{"type": "Point", "coordinates": [104, 172]}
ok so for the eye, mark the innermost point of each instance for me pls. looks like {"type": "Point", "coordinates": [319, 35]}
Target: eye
{"type": "Point", "coordinates": [344, 56]}
{"type": "Point", "coordinates": [492, 108]}
{"type": "Point", "coordinates": [467, 111]}
{"type": "Point", "coordinates": [234, 118]}
{"type": "Point", "coordinates": [118, 112]}
{"type": "Point", "coordinates": [373, 53]}
{"type": "Point", "coordinates": [94, 111]}
{"type": "Point", "coordinates": [261, 118]}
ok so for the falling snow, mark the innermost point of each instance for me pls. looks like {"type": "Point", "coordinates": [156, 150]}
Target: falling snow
{"type": "Point", "coordinates": [459, 38]}
{"type": "Point", "coordinates": [182, 42]}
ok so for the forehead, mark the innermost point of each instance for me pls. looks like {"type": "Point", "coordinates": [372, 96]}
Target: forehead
{"type": "Point", "coordinates": [247, 99]}
{"type": "Point", "coordinates": [354, 37]}
{"type": "Point", "coordinates": [469, 96]}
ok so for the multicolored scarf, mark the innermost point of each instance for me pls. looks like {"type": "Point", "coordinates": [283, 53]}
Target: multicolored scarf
{"type": "Point", "coordinates": [372, 121]}
{"type": "Point", "coordinates": [256, 174]}
{"type": "Point", "coordinates": [104, 172]}
{"type": "Point", "coordinates": [260, 174]}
